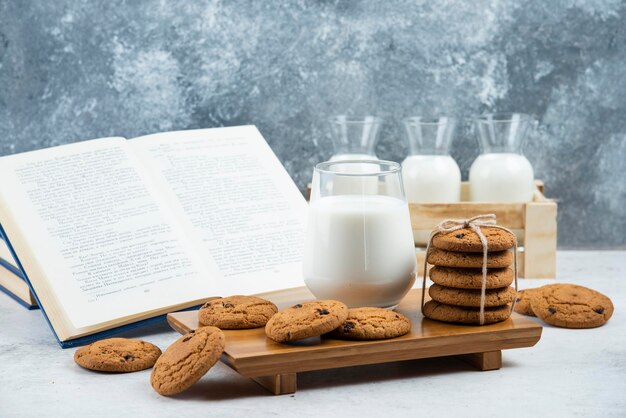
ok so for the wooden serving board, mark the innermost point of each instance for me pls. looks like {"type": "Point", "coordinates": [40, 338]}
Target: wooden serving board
{"type": "Point", "coordinates": [274, 365]}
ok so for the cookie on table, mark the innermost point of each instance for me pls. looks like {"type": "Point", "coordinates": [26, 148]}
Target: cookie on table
{"type": "Point", "coordinates": [445, 258]}
{"type": "Point", "coordinates": [466, 240]}
{"type": "Point", "coordinates": [372, 324]}
{"type": "Point", "coordinates": [187, 360]}
{"type": "Point", "coordinates": [236, 312]}
{"type": "Point", "coordinates": [522, 302]}
{"type": "Point", "coordinates": [471, 297]}
{"type": "Point", "coordinates": [117, 355]}
{"type": "Point", "coordinates": [305, 320]}
{"type": "Point", "coordinates": [471, 278]}
{"type": "Point", "coordinates": [463, 315]}
{"type": "Point", "coordinates": [571, 306]}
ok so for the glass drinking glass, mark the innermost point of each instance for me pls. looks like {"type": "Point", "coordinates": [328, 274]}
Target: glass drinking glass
{"type": "Point", "coordinates": [359, 246]}
{"type": "Point", "coordinates": [355, 138]}
{"type": "Point", "coordinates": [501, 173]}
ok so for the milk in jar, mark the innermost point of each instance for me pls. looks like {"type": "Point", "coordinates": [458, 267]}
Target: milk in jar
{"type": "Point", "coordinates": [501, 173]}
{"type": "Point", "coordinates": [430, 174]}
{"type": "Point", "coordinates": [501, 177]}
{"type": "Point", "coordinates": [431, 179]}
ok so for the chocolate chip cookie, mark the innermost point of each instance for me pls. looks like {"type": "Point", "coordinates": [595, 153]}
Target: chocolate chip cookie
{"type": "Point", "coordinates": [471, 278]}
{"type": "Point", "coordinates": [187, 360]}
{"type": "Point", "coordinates": [571, 306]}
{"type": "Point", "coordinates": [498, 259]}
{"type": "Point", "coordinates": [463, 315]}
{"type": "Point", "coordinates": [522, 302]}
{"type": "Point", "coordinates": [466, 240]}
{"type": "Point", "coordinates": [372, 324]}
{"type": "Point", "coordinates": [237, 312]}
{"type": "Point", "coordinates": [305, 320]}
{"type": "Point", "coordinates": [117, 355]}
{"type": "Point", "coordinates": [471, 297]}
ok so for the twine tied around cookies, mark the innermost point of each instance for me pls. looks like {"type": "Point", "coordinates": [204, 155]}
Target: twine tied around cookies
{"type": "Point", "coordinates": [474, 223]}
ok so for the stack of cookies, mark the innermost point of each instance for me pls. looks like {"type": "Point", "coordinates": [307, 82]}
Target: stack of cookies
{"type": "Point", "coordinates": [457, 257]}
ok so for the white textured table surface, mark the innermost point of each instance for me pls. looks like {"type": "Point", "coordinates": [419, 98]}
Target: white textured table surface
{"type": "Point", "coordinates": [568, 373]}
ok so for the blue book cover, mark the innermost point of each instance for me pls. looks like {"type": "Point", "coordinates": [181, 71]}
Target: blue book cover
{"type": "Point", "coordinates": [18, 299]}
{"type": "Point", "coordinates": [11, 272]}
{"type": "Point", "coordinates": [12, 268]}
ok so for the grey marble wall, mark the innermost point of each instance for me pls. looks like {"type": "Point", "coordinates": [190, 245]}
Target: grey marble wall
{"type": "Point", "coordinates": [73, 70]}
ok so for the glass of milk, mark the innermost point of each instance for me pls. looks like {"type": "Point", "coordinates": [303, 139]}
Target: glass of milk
{"type": "Point", "coordinates": [501, 173]}
{"type": "Point", "coordinates": [355, 137]}
{"type": "Point", "coordinates": [430, 174]}
{"type": "Point", "coordinates": [359, 245]}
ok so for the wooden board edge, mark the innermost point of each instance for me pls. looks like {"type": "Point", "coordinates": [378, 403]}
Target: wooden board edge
{"type": "Point", "coordinates": [335, 358]}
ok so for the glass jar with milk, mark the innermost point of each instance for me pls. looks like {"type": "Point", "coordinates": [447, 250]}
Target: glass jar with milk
{"type": "Point", "coordinates": [359, 247]}
{"type": "Point", "coordinates": [501, 173]}
{"type": "Point", "coordinates": [355, 137]}
{"type": "Point", "coordinates": [430, 174]}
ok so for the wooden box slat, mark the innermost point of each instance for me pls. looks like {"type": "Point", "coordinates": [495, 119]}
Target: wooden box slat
{"type": "Point", "coordinates": [428, 215]}
{"type": "Point", "coordinates": [533, 222]}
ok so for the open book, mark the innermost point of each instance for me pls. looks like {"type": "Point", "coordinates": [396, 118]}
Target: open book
{"type": "Point", "coordinates": [111, 232]}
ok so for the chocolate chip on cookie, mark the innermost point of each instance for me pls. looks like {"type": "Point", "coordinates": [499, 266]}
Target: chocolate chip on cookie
{"type": "Point", "coordinates": [236, 312]}
{"type": "Point", "coordinates": [444, 258]}
{"type": "Point", "coordinates": [571, 306]}
{"type": "Point", "coordinates": [471, 297]}
{"type": "Point", "coordinates": [187, 360]}
{"type": "Point", "coordinates": [305, 320]}
{"type": "Point", "coordinates": [372, 324]}
{"type": "Point", "coordinates": [117, 355]}
{"type": "Point", "coordinates": [466, 240]}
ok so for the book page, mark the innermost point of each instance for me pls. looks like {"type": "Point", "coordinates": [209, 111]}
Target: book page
{"type": "Point", "coordinates": [239, 200]}
{"type": "Point", "coordinates": [105, 242]}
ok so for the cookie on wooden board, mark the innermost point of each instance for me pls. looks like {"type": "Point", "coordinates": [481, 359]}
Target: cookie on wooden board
{"type": "Point", "coordinates": [372, 324]}
{"type": "Point", "coordinates": [463, 315]}
{"type": "Point", "coordinates": [471, 297]}
{"type": "Point", "coordinates": [305, 320]}
{"type": "Point", "coordinates": [187, 360]}
{"type": "Point", "coordinates": [117, 355]}
{"type": "Point", "coordinates": [522, 302]}
{"type": "Point", "coordinates": [466, 240]}
{"type": "Point", "coordinates": [236, 312]}
{"type": "Point", "coordinates": [471, 278]}
{"type": "Point", "coordinates": [571, 306]}
{"type": "Point", "coordinates": [445, 258]}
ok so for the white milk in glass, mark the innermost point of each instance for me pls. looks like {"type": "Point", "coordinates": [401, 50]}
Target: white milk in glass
{"type": "Point", "coordinates": [359, 249]}
{"type": "Point", "coordinates": [501, 177]}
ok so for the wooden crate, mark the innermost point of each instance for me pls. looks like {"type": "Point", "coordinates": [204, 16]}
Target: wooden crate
{"type": "Point", "coordinates": [534, 223]}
